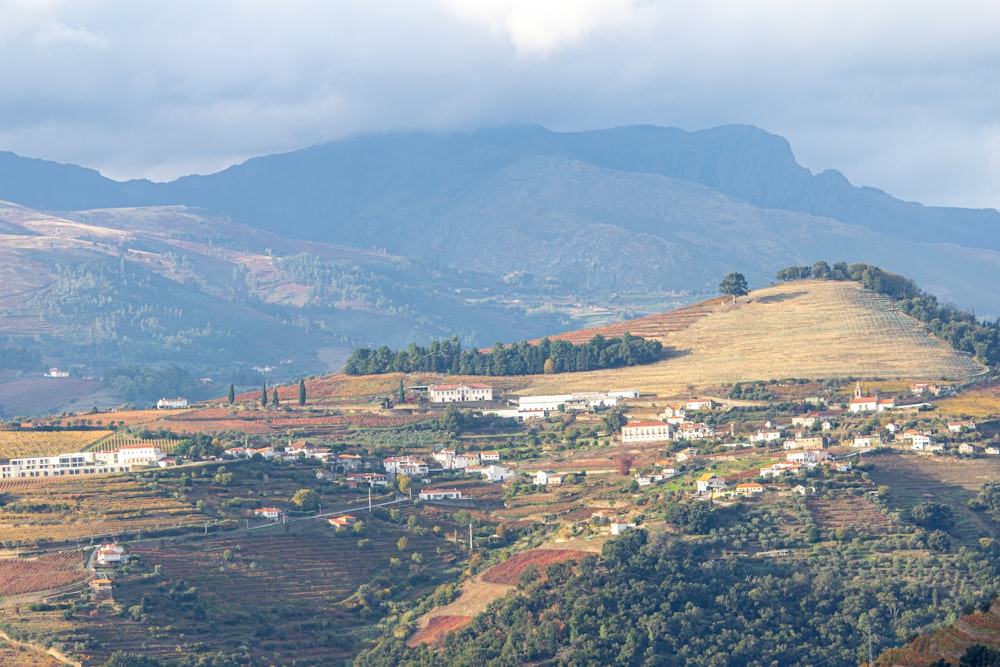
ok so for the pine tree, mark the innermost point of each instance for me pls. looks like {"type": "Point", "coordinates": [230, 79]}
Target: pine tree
{"type": "Point", "coordinates": [232, 394]}
{"type": "Point", "coordinates": [263, 395]}
{"type": "Point", "coordinates": [302, 392]}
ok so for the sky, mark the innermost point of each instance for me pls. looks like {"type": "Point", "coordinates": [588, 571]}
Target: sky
{"type": "Point", "coordinates": [899, 95]}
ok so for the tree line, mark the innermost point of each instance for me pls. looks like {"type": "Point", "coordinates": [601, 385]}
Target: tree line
{"type": "Point", "coordinates": [548, 356]}
{"type": "Point", "coordinates": [962, 330]}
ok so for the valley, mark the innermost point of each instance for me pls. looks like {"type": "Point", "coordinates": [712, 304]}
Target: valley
{"type": "Point", "coordinates": [356, 566]}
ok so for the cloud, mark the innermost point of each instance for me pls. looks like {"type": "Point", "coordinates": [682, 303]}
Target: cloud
{"type": "Point", "coordinates": [898, 95]}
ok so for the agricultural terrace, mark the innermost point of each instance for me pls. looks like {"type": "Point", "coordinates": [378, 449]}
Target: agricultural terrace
{"type": "Point", "coordinates": [45, 572]}
{"type": "Point", "coordinates": [89, 508]}
{"type": "Point", "coordinates": [303, 594]}
{"type": "Point", "coordinates": [22, 444]}
{"type": "Point", "coordinates": [800, 329]}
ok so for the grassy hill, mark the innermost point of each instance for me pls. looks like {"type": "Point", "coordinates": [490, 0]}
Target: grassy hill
{"type": "Point", "coordinates": [801, 329]}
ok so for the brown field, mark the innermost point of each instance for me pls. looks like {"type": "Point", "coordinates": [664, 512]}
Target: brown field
{"type": "Point", "coordinates": [437, 628]}
{"type": "Point", "coordinates": [800, 329]}
{"type": "Point", "coordinates": [18, 655]}
{"type": "Point", "coordinates": [850, 513]}
{"type": "Point", "coordinates": [42, 573]}
{"type": "Point", "coordinates": [509, 571]}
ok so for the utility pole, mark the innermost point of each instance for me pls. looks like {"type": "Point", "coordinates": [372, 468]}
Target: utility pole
{"type": "Point", "coordinates": [369, 499]}
{"type": "Point", "coordinates": [470, 537]}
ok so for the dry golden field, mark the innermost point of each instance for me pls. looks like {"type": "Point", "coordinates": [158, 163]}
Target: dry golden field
{"type": "Point", "coordinates": [21, 444]}
{"type": "Point", "coordinates": [799, 329]}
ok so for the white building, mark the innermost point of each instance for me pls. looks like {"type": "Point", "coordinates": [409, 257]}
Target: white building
{"type": "Point", "coordinates": [405, 464]}
{"type": "Point", "coordinates": [546, 477]}
{"type": "Point", "coordinates": [460, 393]}
{"type": "Point", "coordinates": [710, 482]}
{"type": "Point", "coordinates": [171, 404]}
{"type": "Point", "coordinates": [440, 494]}
{"type": "Point", "coordinates": [650, 431]}
{"type": "Point", "coordinates": [111, 554]}
{"type": "Point", "coordinates": [77, 463]}
{"type": "Point", "coordinates": [138, 454]}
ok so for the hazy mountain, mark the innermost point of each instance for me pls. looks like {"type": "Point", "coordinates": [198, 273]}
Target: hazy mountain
{"type": "Point", "coordinates": [626, 209]}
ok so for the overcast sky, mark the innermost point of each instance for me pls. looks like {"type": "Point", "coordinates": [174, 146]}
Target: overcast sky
{"type": "Point", "coordinates": [899, 95]}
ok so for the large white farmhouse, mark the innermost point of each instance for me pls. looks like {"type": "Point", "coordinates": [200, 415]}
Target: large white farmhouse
{"type": "Point", "coordinates": [460, 393]}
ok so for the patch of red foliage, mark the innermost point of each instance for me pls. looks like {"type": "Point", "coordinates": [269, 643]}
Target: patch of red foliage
{"type": "Point", "coordinates": [509, 571]}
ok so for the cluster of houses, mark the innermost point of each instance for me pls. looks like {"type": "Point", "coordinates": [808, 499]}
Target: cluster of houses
{"type": "Point", "coordinates": [122, 459]}
{"type": "Point", "coordinates": [673, 424]}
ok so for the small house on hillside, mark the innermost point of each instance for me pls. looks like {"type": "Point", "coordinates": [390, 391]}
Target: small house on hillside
{"type": "Point", "coordinates": [440, 494]}
{"type": "Point", "coordinates": [546, 477]}
{"type": "Point", "coordinates": [710, 482]}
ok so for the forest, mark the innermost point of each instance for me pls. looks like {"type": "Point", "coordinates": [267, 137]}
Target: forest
{"type": "Point", "coordinates": [694, 595]}
{"type": "Point", "coordinates": [548, 356]}
{"type": "Point", "coordinates": [962, 330]}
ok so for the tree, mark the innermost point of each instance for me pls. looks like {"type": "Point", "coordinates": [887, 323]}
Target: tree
{"type": "Point", "coordinates": [932, 515]}
{"type": "Point", "coordinates": [306, 500]}
{"type": "Point", "coordinates": [263, 395]}
{"type": "Point", "coordinates": [232, 393]}
{"type": "Point", "coordinates": [274, 397]}
{"type": "Point", "coordinates": [302, 391]}
{"type": "Point", "coordinates": [404, 483]}
{"type": "Point", "coordinates": [402, 392]}
{"type": "Point", "coordinates": [734, 284]}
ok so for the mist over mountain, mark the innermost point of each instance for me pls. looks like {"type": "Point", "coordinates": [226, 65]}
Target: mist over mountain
{"type": "Point", "coordinates": [537, 221]}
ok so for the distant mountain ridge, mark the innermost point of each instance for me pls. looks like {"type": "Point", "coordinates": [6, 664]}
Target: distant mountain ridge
{"type": "Point", "coordinates": [627, 209]}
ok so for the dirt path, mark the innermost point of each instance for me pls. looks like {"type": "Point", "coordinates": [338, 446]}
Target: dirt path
{"type": "Point", "coordinates": [51, 652]}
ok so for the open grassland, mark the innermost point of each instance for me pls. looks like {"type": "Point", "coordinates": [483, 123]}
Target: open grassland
{"type": "Point", "coordinates": [22, 444]}
{"type": "Point", "coordinates": [801, 329]}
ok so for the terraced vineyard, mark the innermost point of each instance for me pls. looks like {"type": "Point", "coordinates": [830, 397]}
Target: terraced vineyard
{"type": "Point", "coordinates": [800, 329]}
{"type": "Point", "coordinates": [41, 573]}
{"type": "Point", "coordinates": [85, 508]}
{"type": "Point", "coordinates": [296, 591]}
{"type": "Point", "coordinates": [21, 444]}
{"type": "Point", "coordinates": [852, 514]}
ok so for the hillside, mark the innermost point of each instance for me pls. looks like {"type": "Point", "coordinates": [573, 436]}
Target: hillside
{"type": "Point", "coordinates": [801, 329]}
{"type": "Point", "coordinates": [980, 627]}
{"type": "Point", "coordinates": [590, 213]}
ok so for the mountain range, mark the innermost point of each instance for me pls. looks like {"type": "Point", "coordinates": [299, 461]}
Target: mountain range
{"type": "Point", "coordinates": [500, 234]}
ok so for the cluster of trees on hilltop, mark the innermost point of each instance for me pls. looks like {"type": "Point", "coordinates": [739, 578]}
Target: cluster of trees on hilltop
{"type": "Point", "coordinates": [960, 329]}
{"type": "Point", "coordinates": [548, 356]}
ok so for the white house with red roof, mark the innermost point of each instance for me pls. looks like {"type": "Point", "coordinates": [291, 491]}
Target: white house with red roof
{"type": "Point", "coordinates": [460, 393]}
{"type": "Point", "coordinates": [111, 554]}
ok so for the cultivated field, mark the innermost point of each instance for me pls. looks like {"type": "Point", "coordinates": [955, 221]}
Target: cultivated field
{"type": "Point", "coordinates": [801, 329]}
{"type": "Point", "coordinates": [21, 444]}
{"type": "Point", "coordinates": [19, 576]}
